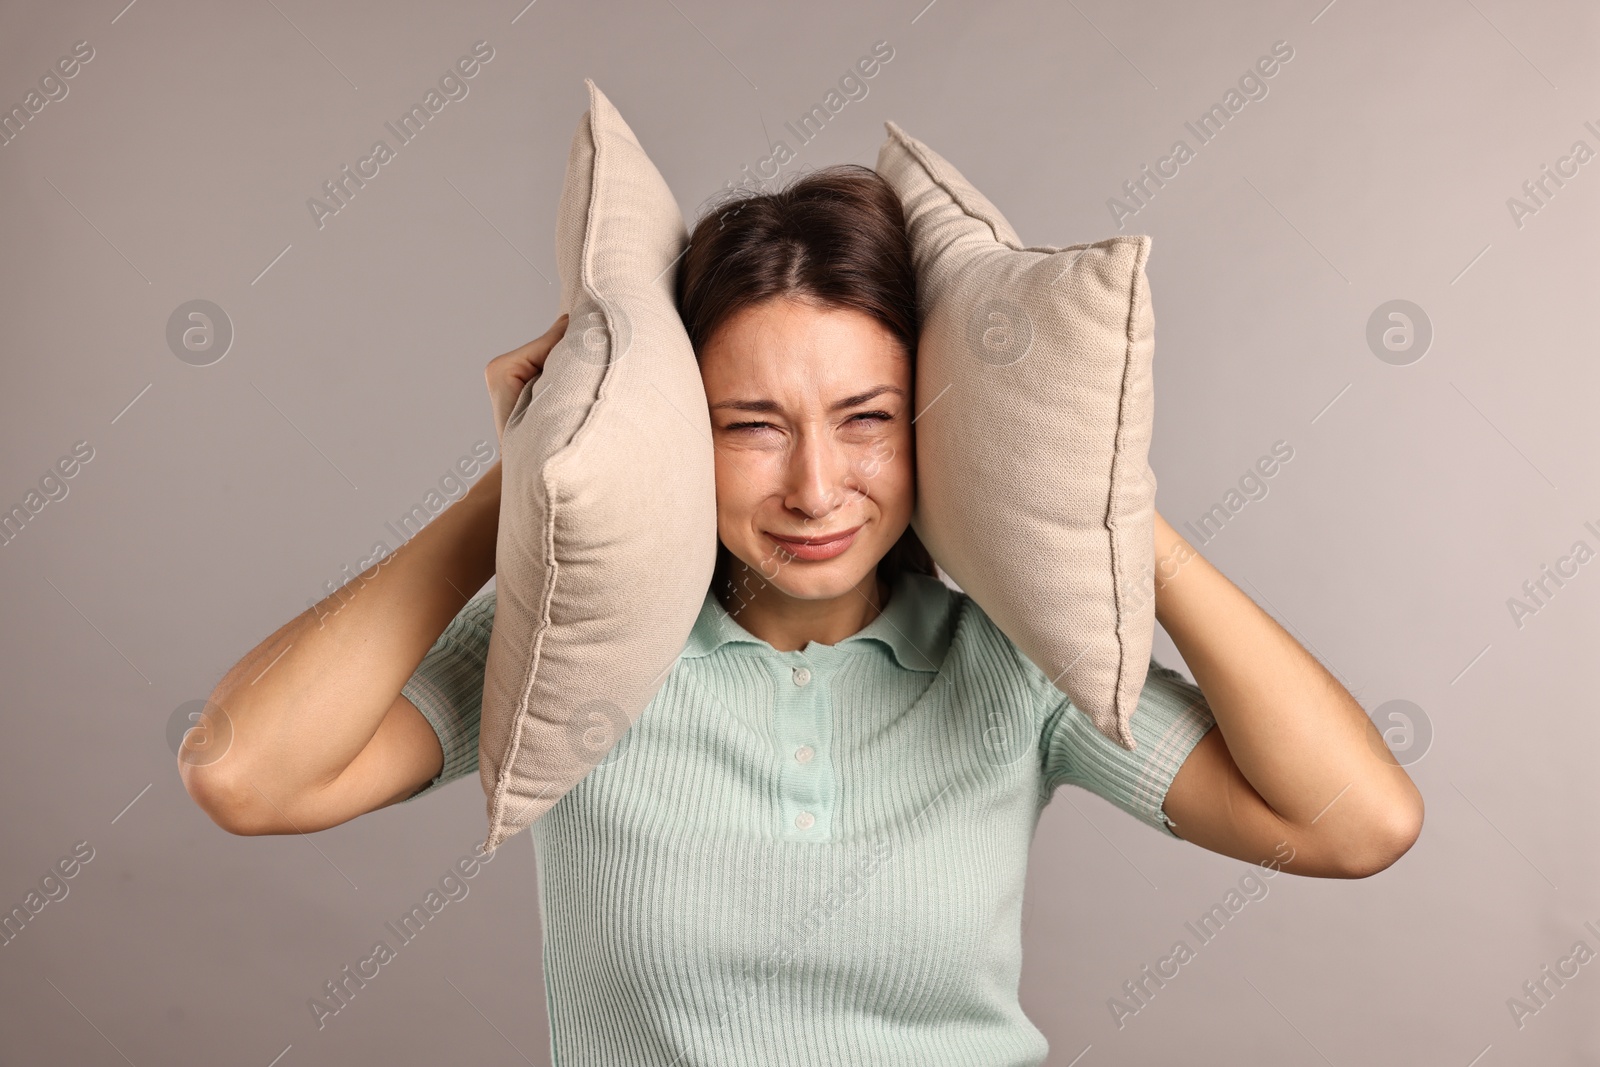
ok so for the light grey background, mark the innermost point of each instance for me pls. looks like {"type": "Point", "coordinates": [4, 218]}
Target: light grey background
{"type": "Point", "coordinates": [1419, 498]}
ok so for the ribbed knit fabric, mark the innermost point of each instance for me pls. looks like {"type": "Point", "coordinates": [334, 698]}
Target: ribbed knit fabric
{"type": "Point", "coordinates": [812, 857]}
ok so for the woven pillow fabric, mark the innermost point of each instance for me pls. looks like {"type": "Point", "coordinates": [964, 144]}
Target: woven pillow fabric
{"type": "Point", "coordinates": [608, 532]}
{"type": "Point", "coordinates": [1036, 403]}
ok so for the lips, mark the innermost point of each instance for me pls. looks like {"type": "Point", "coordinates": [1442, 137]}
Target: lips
{"type": "Point", "coordinates": [822, 540]}
{"type": "Point", "coordinates": [816, 547]}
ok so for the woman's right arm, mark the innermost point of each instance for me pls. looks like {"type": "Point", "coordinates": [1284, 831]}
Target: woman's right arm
{"type": "Point", "coordinates": [313, 730]}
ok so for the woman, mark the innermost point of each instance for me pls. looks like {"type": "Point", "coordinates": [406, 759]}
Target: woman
{"type": "Point", "coordinates": [811, 847]}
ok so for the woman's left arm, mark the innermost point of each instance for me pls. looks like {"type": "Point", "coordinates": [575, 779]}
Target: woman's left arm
{"type": "Point", "coordinates": [1294, 763]}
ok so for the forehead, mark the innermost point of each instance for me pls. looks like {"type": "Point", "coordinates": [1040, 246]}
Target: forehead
{"type": "Point", "coordinates": [784, 347]}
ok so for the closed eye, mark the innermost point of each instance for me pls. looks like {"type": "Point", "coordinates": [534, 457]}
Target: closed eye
{"type": "Point", "coordinates": [877, 416]}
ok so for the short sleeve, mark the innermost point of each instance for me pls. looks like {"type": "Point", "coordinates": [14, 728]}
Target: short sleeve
{"type": "Point", "coordinates": [448, 688]}
{"type": "Point", "coordinates": [1171, 717]}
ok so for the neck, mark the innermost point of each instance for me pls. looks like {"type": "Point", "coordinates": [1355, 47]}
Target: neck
{"type": "Point", "coordinates": [789, 623]}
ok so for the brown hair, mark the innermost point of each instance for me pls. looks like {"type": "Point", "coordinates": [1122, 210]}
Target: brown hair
{"type": "Point", "coordinates": [836, 238]}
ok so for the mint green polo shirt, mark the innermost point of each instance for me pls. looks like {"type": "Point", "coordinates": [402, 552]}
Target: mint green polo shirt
{"type": "Point", "coordinates": [814, 856]}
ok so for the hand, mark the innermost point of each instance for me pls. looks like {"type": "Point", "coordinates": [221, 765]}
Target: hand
{"type": "Point", "coordinates": [509, 374]}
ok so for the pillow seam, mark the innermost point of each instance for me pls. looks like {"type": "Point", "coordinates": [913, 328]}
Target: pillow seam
{"type": "Point", "coordinates": [552, 566]}
{"type": "Point", "coordinates": [934, 174]}
{"type": "Point", "coordinates": [1118, 460]}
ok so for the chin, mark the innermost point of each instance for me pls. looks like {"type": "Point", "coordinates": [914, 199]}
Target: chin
{"type": "Point", "coordinates": [821, 579]}
{"type": "Point", "coordinates": [821, 584]}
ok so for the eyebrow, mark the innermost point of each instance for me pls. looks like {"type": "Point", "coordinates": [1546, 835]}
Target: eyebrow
{"type": "Point", "coordinates": [847, 402]}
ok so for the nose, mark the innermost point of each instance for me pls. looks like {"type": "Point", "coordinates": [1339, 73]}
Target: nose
{"type": "Point", "coordinates": [821, 476]}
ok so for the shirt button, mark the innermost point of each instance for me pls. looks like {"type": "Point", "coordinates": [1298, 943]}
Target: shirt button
{"type": "Point", "coordinates": [801, 675]}
{"type": "Point", "coordinates": [803, 754]}
{"type": "Point", "coordinates": [804, 820]}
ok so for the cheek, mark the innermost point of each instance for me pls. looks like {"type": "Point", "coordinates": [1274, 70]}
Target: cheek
{"type": "Point", "coordinates": [740, 477]}
{"type": "Point", "coordinates": [892, 465]}
{"type": "Point", "coordinates": [884, 473]}
{"type": "Point", "coordinates": [902, 479]}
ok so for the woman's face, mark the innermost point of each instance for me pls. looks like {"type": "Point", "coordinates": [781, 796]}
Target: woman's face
{"type": "Point", "coordinates": [811, 419]}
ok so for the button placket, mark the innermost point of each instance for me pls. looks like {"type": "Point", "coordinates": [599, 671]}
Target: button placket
{"type": "Point", "coordinates": [802, 734]}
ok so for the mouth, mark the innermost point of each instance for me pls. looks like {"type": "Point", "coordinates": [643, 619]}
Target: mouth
{"type": "Point", "coordinates": [824, 546]}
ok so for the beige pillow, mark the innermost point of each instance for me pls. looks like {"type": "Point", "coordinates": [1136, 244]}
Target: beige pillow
{"type": "Point", "coordinates": [608, 527]}
{"type": "Point", "coordinates": [1035, 401]}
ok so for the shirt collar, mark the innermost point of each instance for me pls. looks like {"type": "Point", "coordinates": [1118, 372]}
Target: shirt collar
{"type": "Point", "coordinates": [914, 626]}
